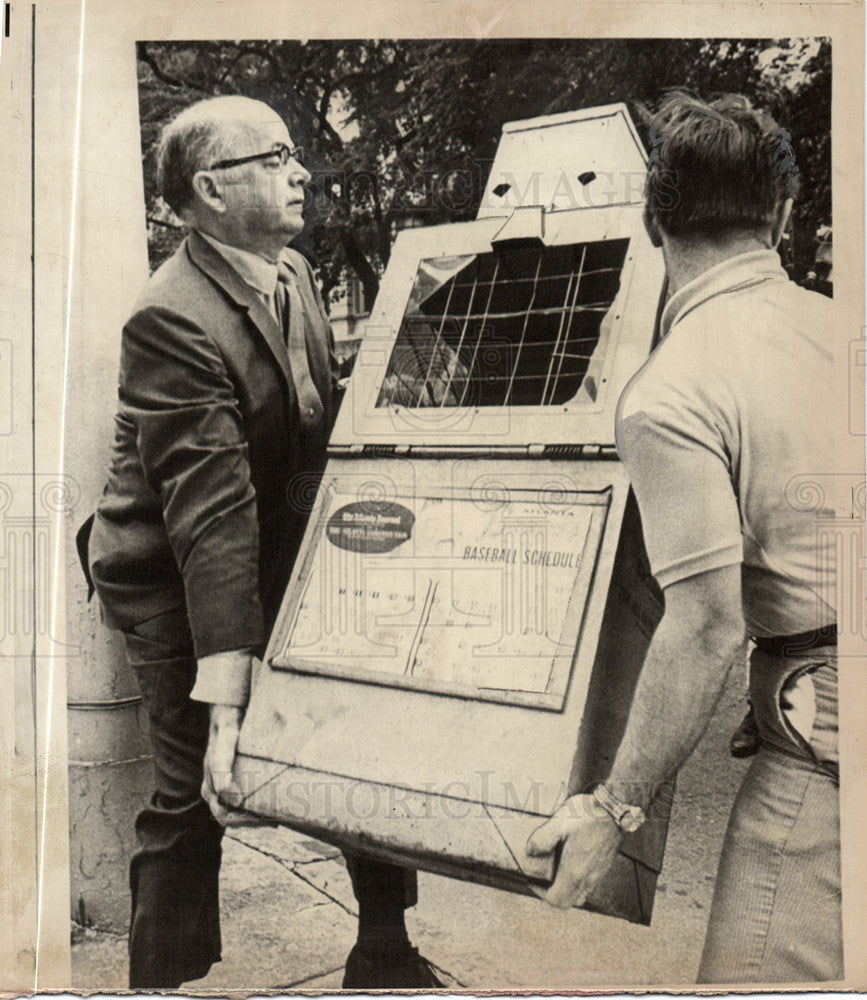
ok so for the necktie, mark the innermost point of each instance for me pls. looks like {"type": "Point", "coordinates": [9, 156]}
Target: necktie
{"type": "Point", "coordinates": [292, 319]}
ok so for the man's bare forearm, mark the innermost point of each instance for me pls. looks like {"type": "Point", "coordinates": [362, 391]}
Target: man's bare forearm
{"type": "Point", "coordinates": [684, 673]}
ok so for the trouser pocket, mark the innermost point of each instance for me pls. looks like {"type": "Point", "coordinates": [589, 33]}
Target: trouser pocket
{"type": "Point", "coordinates": [774, 685]}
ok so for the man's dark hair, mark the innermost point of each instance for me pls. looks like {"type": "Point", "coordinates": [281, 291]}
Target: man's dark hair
{"type": "Point", "coordinates": [716, 166]}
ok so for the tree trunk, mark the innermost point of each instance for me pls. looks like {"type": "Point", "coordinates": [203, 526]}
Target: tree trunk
{"type": "Point", "coordinates": [360, 264]}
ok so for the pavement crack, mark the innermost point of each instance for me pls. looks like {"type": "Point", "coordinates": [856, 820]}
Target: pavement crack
{"type": "Point", "coordinates": [460, 985]}
{"type": "Point", "coordinates": [311, 906]}
{"type": "Point", "coordinates": [291, 867]}
{"type": "Point", "coordinates": [309, 979]}
{"type": "Point", "coordinates": [328, 895]}
{"type": "Point", "coordinates": [314, 861]}
{"type": "Point", "coordinates": [288, 865]}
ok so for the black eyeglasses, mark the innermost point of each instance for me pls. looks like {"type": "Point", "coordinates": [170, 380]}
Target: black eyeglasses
{"type": "Point", "coordinates": [284, 152]}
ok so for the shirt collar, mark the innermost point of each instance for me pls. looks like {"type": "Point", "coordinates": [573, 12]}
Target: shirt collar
{"type": "Point", "coordinates": [258, 273]}
{"type": "Point", "coordinates": [737, 272]}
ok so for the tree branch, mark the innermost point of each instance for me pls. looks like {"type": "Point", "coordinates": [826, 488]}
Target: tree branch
{"type": "Point", "coordinates": [161, 222]}
{"type": "Point", "coordinates": [160, 74]}
{"type": "Point", "coordinates": [382, 230]}
{"type": "Point", "coordinates": [249, 50]}
{"type": "Point", "coordinates": [322, 111]}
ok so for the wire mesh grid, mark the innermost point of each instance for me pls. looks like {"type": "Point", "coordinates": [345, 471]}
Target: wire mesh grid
{"type": "Point", "coordinates": [523, 326]}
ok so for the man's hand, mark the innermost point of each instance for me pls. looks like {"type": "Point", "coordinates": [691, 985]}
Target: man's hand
{"type": "Point", "coordinates": [219, 789]}
{"type": "Point", "coordinates": [590, 840]}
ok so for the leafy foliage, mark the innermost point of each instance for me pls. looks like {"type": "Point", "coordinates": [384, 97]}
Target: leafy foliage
{"type": "Point", "coordinates": [409, 128]}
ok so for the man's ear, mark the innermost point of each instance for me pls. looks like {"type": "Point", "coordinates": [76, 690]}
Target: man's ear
{"type": "Point", "coordinates": [779, 224]}
{"type": "Point", "coordinates": [209, 191]}
{"type": "Point", "coordinates": [652, 228]}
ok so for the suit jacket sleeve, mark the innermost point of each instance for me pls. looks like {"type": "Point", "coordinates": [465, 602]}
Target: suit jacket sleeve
{"type": "Point", "coordinates": [191, 442]}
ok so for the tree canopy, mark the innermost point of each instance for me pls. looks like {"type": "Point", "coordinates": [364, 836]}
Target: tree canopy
{"type": "Point", "coordinates": [393, 127]}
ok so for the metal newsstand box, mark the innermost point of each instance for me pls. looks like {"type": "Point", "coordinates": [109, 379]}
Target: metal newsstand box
{"type": "Point", "coordinates": [458, 646]}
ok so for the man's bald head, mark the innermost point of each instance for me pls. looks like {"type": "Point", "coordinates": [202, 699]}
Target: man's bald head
{"type": "Point", "coordinates": [202, 134]}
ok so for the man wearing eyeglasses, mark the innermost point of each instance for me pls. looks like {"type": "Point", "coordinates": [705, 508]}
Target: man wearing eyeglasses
{"type": "Point", "coordinates": [226, 392]}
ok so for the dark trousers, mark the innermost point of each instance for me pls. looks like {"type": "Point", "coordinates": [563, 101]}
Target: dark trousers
{"type": "Point", "coordinates": [174, 875]}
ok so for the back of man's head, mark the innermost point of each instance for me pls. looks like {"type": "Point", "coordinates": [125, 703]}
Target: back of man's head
{"type": "Point", "coordinates": [716, 167]}
{"type": "Point", "coordinates": [199, 136]}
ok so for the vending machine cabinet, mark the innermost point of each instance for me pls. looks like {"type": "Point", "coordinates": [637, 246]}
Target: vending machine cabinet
{"type": "Point", "coordinates": [459, 644]}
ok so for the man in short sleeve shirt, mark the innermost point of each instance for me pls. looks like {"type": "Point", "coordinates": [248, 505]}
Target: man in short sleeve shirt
{"type": "Point", "coordinates": [721, 431]}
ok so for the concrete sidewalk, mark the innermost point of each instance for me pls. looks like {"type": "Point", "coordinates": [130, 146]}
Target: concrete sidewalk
{"type": "Point", "coordinates": [289, 912]}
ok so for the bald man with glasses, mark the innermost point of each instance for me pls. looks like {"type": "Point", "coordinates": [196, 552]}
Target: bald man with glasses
{"type": "Point", "coordinates": [225, 403]}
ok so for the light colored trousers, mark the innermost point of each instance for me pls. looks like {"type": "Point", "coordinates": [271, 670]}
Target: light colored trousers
{"type": "Point", "coordinates": [776, 915]}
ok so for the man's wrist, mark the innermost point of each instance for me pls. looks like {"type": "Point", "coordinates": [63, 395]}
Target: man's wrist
{"type": "Point", "coordinates": [626, 816]}
{"type": "Point", "coordinates": [224, 678]}
{"type": "Point", "coordinates": [225, 714]}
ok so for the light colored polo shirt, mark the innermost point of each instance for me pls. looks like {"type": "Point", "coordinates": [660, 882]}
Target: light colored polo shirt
{"type": "Point", "coordinates": [727, 433]}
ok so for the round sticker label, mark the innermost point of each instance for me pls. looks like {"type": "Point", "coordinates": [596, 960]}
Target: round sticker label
{"type": "Point", "coordinates": [370, 526]}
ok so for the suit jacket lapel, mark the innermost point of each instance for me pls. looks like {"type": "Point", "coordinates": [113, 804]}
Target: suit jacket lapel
{"type": "Point", "coordinates": [206, 258]}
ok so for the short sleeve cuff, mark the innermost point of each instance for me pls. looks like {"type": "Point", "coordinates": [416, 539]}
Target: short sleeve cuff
{"type": "Point", "coordinates": [700, 562]}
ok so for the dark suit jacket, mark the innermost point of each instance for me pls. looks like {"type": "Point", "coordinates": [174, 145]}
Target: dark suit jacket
{"type": "Point", "coordinates": [212, 476]}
